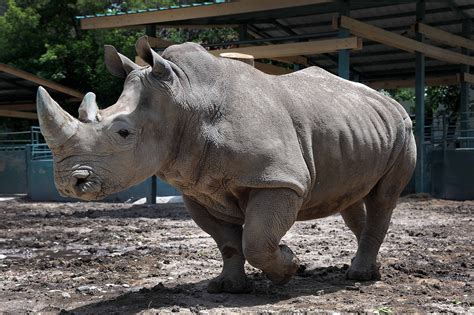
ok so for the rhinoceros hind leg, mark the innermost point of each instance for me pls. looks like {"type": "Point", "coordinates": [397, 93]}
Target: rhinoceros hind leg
{"type": "Point", "coordinates": [354, 217]}
{"type": "Point", "coordinates": [379, 204]}
{"type": "Point", "coordinates": [229, 240]}
{"type": "Point", "coordinates": [270, 213]}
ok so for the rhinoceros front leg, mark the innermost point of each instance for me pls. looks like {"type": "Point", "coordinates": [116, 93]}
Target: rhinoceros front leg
{"type": "Point", "coordinates": [270, 213]}
{"type": "Point", "coordinates": [229, 240]}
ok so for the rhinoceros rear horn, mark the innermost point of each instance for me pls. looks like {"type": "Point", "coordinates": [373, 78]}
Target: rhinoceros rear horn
{"type": "Point", "coordinates": [88, 111]}
{"type": "Point", "coordinates": [161, 67]}
{"type": "Point", "coordinates": [57, 126]}
{"type": "Point", "coordinates": [117, 64]}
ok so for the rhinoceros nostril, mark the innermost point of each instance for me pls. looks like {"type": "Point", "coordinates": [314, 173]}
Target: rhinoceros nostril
{"type": "Point", "coordinates": [80, 181]}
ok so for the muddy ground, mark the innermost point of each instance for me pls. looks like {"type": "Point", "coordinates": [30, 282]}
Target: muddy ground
{"type": "Point", "coordinates": [120, 258]}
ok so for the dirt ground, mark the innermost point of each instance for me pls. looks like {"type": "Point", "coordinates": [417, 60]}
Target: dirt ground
{"type": "Point", "coordinates": [103, 258]}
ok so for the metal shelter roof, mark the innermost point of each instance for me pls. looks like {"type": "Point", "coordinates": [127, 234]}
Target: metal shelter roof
{"type": "Point", "coordinates": [18, 92]}
{"type": "Point", "coordinates": [300, 20]}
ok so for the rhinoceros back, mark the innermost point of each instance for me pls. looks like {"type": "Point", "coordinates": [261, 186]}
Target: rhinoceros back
{"type": "Point", "coordinates": [328, 139]}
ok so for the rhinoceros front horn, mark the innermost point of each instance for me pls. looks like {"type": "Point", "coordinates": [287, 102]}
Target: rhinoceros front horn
{"type": "Point", "coordinates": [57, 126]}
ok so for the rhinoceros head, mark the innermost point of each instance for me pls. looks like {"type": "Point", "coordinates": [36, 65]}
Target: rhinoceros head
{"type": "Point", "coordinates": [106, 151]}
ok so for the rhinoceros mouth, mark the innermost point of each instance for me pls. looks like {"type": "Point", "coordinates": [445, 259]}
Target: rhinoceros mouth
{"type": "Point", "coordinates": [81, 183]}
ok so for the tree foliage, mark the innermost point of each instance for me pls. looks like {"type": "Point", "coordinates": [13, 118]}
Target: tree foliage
{"type": "Point", "coordinates": [437, 99]}
{"type": "Point", "coordinates": [43, 37]}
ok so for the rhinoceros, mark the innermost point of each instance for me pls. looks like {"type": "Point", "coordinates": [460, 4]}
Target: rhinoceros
{"type": "Point", "coordinates": [250, 152]}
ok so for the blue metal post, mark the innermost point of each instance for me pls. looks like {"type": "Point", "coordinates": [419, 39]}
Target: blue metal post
{"type": "Point", "coordinates": [151, 199]}
{"type": "Point", "coordinates": [464, 89]}
{"type": "Point", "coordinates": [420, 172]}
{"type": "Point", "coordinates": [343, 54]}
{"type": "Point", "coordinates": [150, 30]}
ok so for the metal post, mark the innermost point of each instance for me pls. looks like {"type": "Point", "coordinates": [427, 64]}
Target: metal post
{"type": "Point", "coordinates": [420, 172]}
{"type": "Point", "coordinates": [243, 35]}
{"type": "Point", "coordinates": [343, 54]}
{"type": "Point", "coordinates": [464, 89]}
{"type": "Point", "coordinates": [151, 199]}
{"type": "Point", "coordinates": [150, 30]}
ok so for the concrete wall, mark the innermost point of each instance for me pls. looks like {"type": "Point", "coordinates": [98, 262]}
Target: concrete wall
{"type": "Point", "coordinates": [13, 171]}
{"type": "Point", "coordinates": [452, 174]}
{"type": "Point", "coordinates": [20, 174]}
{"type": "Point", "coordinates": [41, 186]}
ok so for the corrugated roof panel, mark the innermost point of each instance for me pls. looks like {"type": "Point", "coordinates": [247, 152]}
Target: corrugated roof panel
{"type": "Point", "coordinates": [172, 7]}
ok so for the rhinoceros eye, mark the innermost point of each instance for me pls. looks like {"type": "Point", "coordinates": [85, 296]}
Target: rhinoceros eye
{"type": "Point", "coordinates": [124, 133]}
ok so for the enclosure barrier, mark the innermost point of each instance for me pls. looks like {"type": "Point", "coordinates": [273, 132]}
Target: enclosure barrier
{"type": "Point", "coordinates": [26, 167]}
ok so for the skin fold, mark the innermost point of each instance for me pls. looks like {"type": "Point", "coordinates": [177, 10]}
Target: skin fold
{"type": "Point", "coordinates": [251, 153]}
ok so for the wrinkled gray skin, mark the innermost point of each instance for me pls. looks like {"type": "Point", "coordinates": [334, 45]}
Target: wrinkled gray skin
{"type": "Point", "coordinates": [251, 153]}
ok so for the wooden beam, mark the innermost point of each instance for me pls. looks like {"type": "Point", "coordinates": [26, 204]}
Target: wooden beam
{"type": "Point", "coordinates": [292, 60]}
{"type": "Point", "coordinates": [197, 26]}
{"type": "Point", "coordinates": [193, 12]}
{"type": "Point", "coordinates": [295, 49]}
{"type": "Point", "coordinates": [443, 36]}
{"type": "Point", "coordinates": [405, 83]}
{"type": "Point", "coordinates": [267, 68]}
{"type": "Point", "coordinates": [17, 114]}
{"type": "Point", "coordinates": [466, 77]}
{"type": "Point", "coordinates": [40, 81]}
{"type": "Point", "coordinates": [157, 42]}
{"type": "Point", "coordinates": [19, 107]}
{"type": "Point", "coordinates": [271, 69]}
{"type": "Point", "coordinates": [382, 36]}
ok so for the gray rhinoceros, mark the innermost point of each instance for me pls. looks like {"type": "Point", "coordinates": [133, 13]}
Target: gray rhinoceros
{"type": "Point", "coordinates": [251, 153]}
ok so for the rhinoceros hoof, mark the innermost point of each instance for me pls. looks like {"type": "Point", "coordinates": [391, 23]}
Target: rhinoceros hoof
{"type": "Point", "coordinates": [365, 274]}
{"type": "Point", "coordinates": [226, 284]}
{"type": "Point", "coordinates": [281, 278]}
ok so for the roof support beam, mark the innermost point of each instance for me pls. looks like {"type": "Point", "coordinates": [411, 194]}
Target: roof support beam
{"type": "Point", "coordinates": [18, 107]}
{"type": "Point", "coordinates": [456, 9]}
{"type": "Point", "coordinates": [40, 81]}
{"type": "Point", "coordinates": [443, 37]}
{"type": "Point", "coordinates": [17, 114]}
{"type": "Point", "coordinates": [264, 67]}
{"type": "Point", "coordinates": [380, 35]}
{"type": "Point", "coordinates": [295, 49]}
{"type": "Point", "coordinates": [271, 69]}
{"type": "Point", "coordinates": [157, 42]}
{"type": "Point", "coordinates": [467, 77]}
{"type": "Point", "coordinates": [193, 12]}
{"type": "Point", "coordinates": [409, 83]}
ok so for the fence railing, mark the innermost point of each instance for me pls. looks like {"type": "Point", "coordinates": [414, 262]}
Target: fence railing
{"type": "Point", "coordinates": [449, 131]}
{"type": "Point", "coordinates": [40, 151]}
{"type": "Point", "coordinates": [17, 140]}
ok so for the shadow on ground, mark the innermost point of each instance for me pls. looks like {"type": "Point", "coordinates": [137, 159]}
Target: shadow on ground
{"type": "Point", "coordinates": [193, 296]}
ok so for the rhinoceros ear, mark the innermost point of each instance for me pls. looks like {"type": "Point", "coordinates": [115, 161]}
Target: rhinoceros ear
{"type": "Point", "coordinates": [118, 64]}
{"type": "Point", "coordinates": [160, 67]}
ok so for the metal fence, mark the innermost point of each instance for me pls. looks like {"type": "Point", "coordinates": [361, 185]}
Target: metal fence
{"type": "Point", "coordinates": [40, 151]}
{"type": "Point", "coordinates": [445, 131]}
{"type": "Point", "coordinates": [17, 140]}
